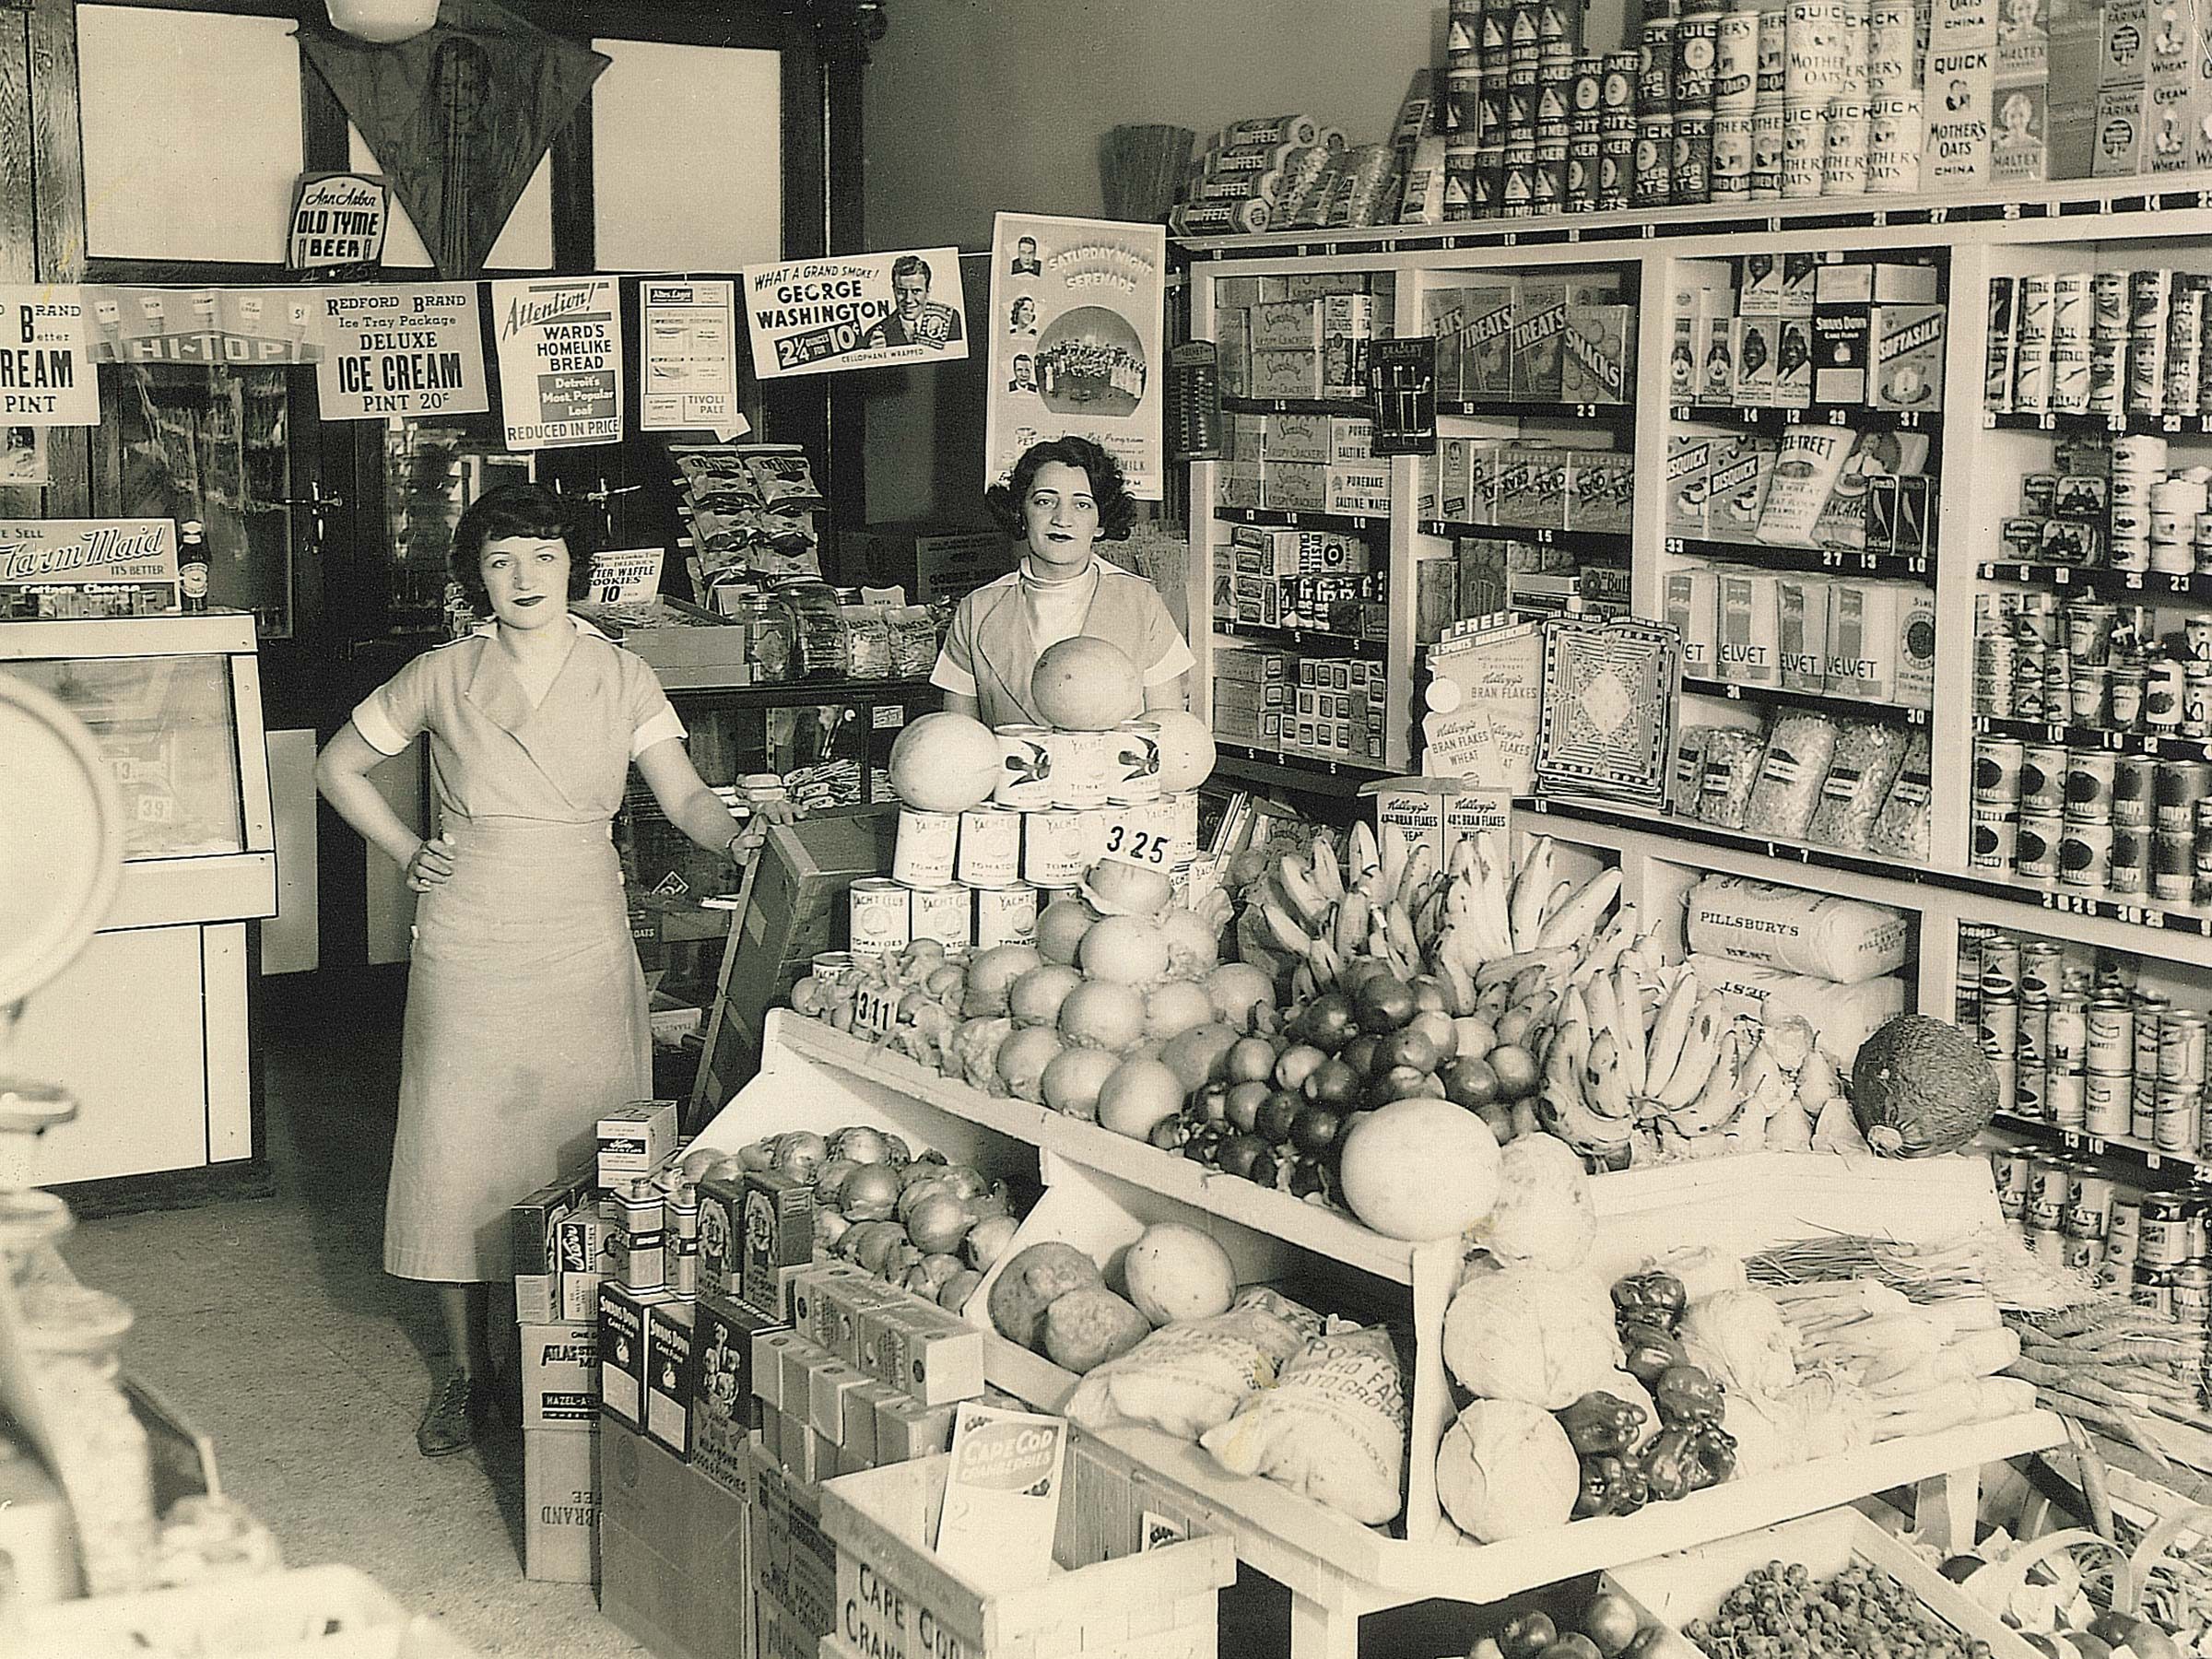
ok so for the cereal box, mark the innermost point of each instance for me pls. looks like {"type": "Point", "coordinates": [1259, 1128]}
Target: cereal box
{"type": "Point", "coordinates": [1597, 362]}
{"type": "Point", "coordinates": [1486, 340]}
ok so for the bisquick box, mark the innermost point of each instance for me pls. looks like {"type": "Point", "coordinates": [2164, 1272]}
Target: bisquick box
{"type": "Point", "coordinates": [1690, 453]}
{"type": "Point", "coordinates": [1738, 469]}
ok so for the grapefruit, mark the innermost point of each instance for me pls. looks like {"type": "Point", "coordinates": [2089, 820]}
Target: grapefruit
{"type": "Point", "coordinates": [1086, 684]}
{"type": "Point", "coordinates": [1117, 888]}
{"type": "Point", "coordinates": [1034, 999]}
{"type": "Point", "coordinates": [1022, 1059]}
{"type": "Point", "coordinates": [1237, 988]}
{"type": "Point", "coordinates": [1074, 1077]}
{"type": "Point", "coordinates": [990, 974]}
{"type": "Point", "coordinates": [1197, 1054]}
{"type": "Point", "coordinates": [1420, 1168]}
{"type": "Point", "coordinates": [1176, 1272]}
{"type": "Point", "coordinates": [1100, 1013]}
{"type": "Point", "coordinates": [1174, 1007]}
{"type": "Point", "coordinates": [1060, 929]}
{"type": "Point", "coordinates": [1186, 749]}
{"type": "Point", "coordinates": [946, 762]}
{"type": "Point", "coordinates": [1128, 950]}
{"type": "Point", "coordinates": [1139, 1094]}
{"type": "Point", "coordinates": [1193, 945]}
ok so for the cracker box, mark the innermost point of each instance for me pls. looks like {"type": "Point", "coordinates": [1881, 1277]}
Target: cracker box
{"type": "Point", "coordinates": [1749, 629]}
{"type": "Point", "coordinates": [1285, 374]}
{"type": "Point", "coordinates": [1286, 325]}
{"type": "Point", "coordinates": [1238, 485]}
{"type": "Point", "coordinates": [1598, 354]}
{"type": "Point", "coordinates": [671, 1365]}
{"type": "Point", "coordinates": [1753, 345]}
{"type": "Point", "coordinates": [1486, 340]}
{"type": "Point", "coordinates": [1693, 601]}
{"type": "Point", "coordinates": [1802, 628]}
{"type": "Point", "coordinates": [560, 1374]}
{"type": "Point", "coordinates": [622, 1354]}
{"type": "Point", "coordinates": [723, 1409]}
{"type": "Point", "coordinates": [635, 1140]}
{"type": "Point", "coordinates": [776, 1234]}
{"type": "Point", "coordinates": [1303, 438]}
{"type": "Point", "coordinates": [1358, 487]}
{"type": "Point", "coordinates": [1907, 367]}
{"type": "Point", "coordinates": [1292, 486]}
{"type": "Point", "coordinates": [1351, 440]}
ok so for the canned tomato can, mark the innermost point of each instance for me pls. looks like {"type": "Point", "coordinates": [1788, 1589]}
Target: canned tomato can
{"type": "Point", "coordinates": [1054, 848]}
{"type": "Point", "coordinates": [1078, 768]}
{"type": "Point", "coordinates": [1132, 759]}
{"type": "Point", "coordinates": [2065, 1099]}
{"type": "Point", "coordinates": [2043, 777]}
{"type": "Point", "coordinates": [2035, 845]}
{"type": "Point", "coordinates": [944, 913]}
{"type": "Point", "coordinates": [2109, 1031]}
{"type": "Point", "coordinates": [1006, 915]}
{"type": "Point", "coordinates": [2010, 1168]}
{"type": "Point", "coordinates": [2050, 1186]}
{"type": "Point", "coordinates": [2153, 1287]}
{"type": "Point", "coordinates": [2107, 1104]}
{"type": "Point", "coordinates": [2085, 855]}
{"type": "Point", "coordinates": [1183, 826]}
{"type": "Point", "coordinates": [1025, 781]}
{"type": "Point", "coordinates": [879, 915]}
{"type": "Point", "coordinates": [2000, 966]}
{"type": "Point", "coordinates": [1999, 1019]}
{"type": "Point", "coordinates": [2090, 774]}
{"type": "Point", "coordinates": [834, 967]}
{"type": "Point", "coordinates": [1998, 762]}
{"type": "Point", "coordinates": [2163, 1233]}
{"type": "Point", "coordinates": [2067, 1034]}
{"type": "Point", "coordinates": [1996, 833]}
{"type": "Point", "coordinates": [2124, 1232]}
{"type": "Point", "coordinates": [2172, 868]}
{"type": "Point", "coordinates": [990, 847]}
{"type": "Point", "coordinates": [2134, 783]}
{"type": "Point", "coordinates": [2191, 1304]}
{"type": "Point", "coordinates": [2181, 1049]}
{"type": "Point", "coordinates": [928, 844]}
{"type": "Point", "coordinates": [2043, 970]}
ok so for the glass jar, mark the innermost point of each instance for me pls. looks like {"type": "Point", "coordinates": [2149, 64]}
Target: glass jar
{"type": "Point", "coordinates": [868, 640]}
{"type": "Point", "coordinates": [770, 633]}
{"type": "Point", "coordinates": [818, 626]}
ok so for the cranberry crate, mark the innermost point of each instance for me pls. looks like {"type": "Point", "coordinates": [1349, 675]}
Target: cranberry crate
{"type": "Point", "coordinates": [1133, 1579]}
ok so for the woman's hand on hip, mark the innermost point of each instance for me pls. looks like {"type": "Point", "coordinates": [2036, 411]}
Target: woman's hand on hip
{"type": "Point", "coordinates": [432, 864]}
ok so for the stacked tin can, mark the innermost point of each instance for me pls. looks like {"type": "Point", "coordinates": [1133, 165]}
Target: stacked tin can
{"type": "Point", "coordinates": [1652, 183]}
{"type": "Point", "coordinates": [979, 877]}
{"type": "Point", "coordinates": [2087, 817]}
{"type": "Point", "coordinates": [2139, 337]}
{"type": "Point", "coordinates": [2096, 666]}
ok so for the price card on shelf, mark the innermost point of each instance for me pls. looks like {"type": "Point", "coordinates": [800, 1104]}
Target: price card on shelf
{"type": "Point", "coordinates": [1138, 833]}
{"type": "Point", "coordinates": [875, 1010]}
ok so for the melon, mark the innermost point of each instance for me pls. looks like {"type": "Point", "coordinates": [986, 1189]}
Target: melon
{"type": "Point", "coordinates": [1022, 1059]}
{"type": "Point", "coordinates": [1138, 1095]}
{"type": "Point", "coordinates": [1194, 943]}
{"type": "Point", "coordinates": [1102, 1015]}
{"type": "Point", "coordinates": [1237, 989]}
{"type": "Point", "coordinates": [1034, 999]}
{"type": "Point", "coordinates": [1060, 928]}
{"type": "Point", "coordinates": [1186, 749]}
{"type": "Point", "coordinates": [1117, 888]}
{"type": "Point", "coordinates": [991, 974]}
{"type": "Point", "coordinates": [1126, 949]}
{"type": "Point", "coordinates": [946, 762]}
{"type": "Point", "coordinates": [1086, 684]}
{"type": "Point", "coordinates": [1419, 1168]}
{"type": "Point", "coordinates": [1174, 1007]}
{"type": "Point", "coordinates": [1175, 1272]}
{"type": "Point", "coordinates": [1074, 1076]}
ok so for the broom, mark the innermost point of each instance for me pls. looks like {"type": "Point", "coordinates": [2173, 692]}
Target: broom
{"type": "Point", "coordinates": [1141, 169]}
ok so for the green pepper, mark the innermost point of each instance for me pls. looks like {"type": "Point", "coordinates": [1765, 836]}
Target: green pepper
{"type": "Point", "coordinates": [1651, 1351]}
{"type": "Point", "coordinates": [1685, 1395]}
{"type": "Point", "coordinates": [1668, 1466]}
{"type": "Point", "coordinates": [1712, 1451]}
{"type": "Point", "coordinates": [1601, 1422]}
{"type": "Point", "coordinates": [1631, 1491]}
{"type": "Point", "coordinates": [1603, 1478]}
{"type": "Point", "coordinates": [1651, 1298]}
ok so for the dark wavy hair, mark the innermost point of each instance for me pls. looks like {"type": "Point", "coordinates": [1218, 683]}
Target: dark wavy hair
{"type": "Point", "coordinates": [1117, 508]}
{"type": "Point", "coordinates": [514, 510]}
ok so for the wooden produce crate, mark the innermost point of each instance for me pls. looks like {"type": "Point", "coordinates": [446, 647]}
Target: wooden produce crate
{"type": "Point", "coordinates": [1689, 1583]}
{"type": "Point", "coordinates": [1135, 1603]}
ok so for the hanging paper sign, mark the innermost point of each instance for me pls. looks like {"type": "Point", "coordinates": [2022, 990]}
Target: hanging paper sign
{"type": "Point", "coordinates": [1076, 325]}
{"type": "Point", "coordinates": [338, 222]}
{"type": "Point", "coordinates": [46, 376]}
{"type": "Point", "coordinates": [22, 457]}
{"type": "Point", "coordinates": [244, 327]}
{"type": "Point", "coordinates": [628, 577]}
{"type": "Point", "coordinates": [560, 360]}
{"type": "Point", "coordinates": [399, 350]}
{"type": "Point", "coordinates": [862, 311]}
{"type": "Point", "coordinates": [689, 332]}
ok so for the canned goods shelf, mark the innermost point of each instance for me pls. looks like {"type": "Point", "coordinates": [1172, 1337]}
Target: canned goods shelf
{"type": "Point", "coordinates": [2132, 424]}
{"type": "Point", "coordinates": [2179, 584]}
{"type": "Point", "coordinates": [2069, 902]}
{"type": "Point", "coordinates": [1302, 638]}
{"type": "Point", "coordinates": [1613, 544]}
{"type": "Point", "coordinates": [1283, 518]}
{"type": "Point", "coordinates": [1855, 416]}
{"type": "Point", "coordinates": [1916, 567]}
{"type": "Point", "coordinates": [1494, 409]}
{"type": "Point", "coordinates": [2107, 1145]}
{"type": "Point", "coordinates": [2161, 747]}
{"type": "Point", "coordinates": [1849, 706]}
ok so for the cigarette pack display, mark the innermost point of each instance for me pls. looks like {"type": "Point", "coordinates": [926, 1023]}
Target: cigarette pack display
{"type": "Point", "coordinates": [560, 1374]}
{"type": "Point", "coordinates": [622, 1354]}
{"type": "Point", "coordinates": [671, 1374]}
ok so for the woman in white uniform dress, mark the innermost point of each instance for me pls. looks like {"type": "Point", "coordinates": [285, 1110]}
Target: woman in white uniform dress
{"type": "Point", "coordinates": [525, 1007]}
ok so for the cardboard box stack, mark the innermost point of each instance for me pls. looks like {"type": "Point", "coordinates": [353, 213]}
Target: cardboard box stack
{"type": "Point", "coordinates": [1326, 708]}
{"type": "Point", "coordinates": [1305, 579]}
{"type": "Point", "coordinates": [1534, 339]}
{"type": "Point", "coordinates": [1297, 337]}
{"type": "Point", "coordinates": [1834, 635]}
{"type": "Point", "coordinates": [1535, 484]}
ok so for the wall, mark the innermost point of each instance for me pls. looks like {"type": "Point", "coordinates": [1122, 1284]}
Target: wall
{"type": "Point", "coordinates": [975, 105]}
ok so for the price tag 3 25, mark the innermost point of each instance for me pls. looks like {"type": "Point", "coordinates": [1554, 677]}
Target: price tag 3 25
{"type": "Point", "coordinates": [1137, 832]}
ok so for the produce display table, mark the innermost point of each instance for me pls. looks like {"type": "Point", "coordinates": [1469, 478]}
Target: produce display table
{"type": "Point", "coordinates": [816, 1077]}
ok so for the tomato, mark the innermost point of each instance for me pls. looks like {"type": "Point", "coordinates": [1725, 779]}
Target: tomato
{"type": "Point", "coordinates": [1242, 1106]}
{"type": "Point", "coordinates": [1406, 1047]}
{"type": "Point", "coordinates": [1526, 1635]}
{"type": "Point", "coordinates": [1385, 1002]}
{"type": "Point", "coordinates": [1335, 1084]}
{"type": "Point", "coordinates": [1276, 1113]}
{"type": "Point", "coordinates": [1327, 1022]}
{"type": "Point", "coordinates": [1611, 1620]}
{"type": "Point", "coordinates": [1471, 1083]}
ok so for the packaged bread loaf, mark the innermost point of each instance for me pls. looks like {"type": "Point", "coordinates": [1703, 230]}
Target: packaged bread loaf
{"type": "Point", "coordinates": [1901, 829]}
{"type": "Point", "coordinates": [1732, 757]}
{"type": "Point", "coordinates": [1790, 775]}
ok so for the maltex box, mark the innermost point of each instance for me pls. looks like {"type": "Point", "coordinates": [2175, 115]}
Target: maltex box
{"type": "Point", "coordinates": [560, 1374]}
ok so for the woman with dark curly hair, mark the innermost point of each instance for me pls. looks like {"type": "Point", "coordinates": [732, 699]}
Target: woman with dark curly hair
{"type": "Point", "coordinates": [1062, 498]}
{"type": "Point", "coordinates": [525, 1009]}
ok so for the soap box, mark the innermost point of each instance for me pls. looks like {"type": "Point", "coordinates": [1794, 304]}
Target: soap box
{"type": "Point", "coordinates": [1907, 371]}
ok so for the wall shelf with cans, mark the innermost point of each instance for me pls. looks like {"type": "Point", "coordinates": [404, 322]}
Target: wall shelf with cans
{"type": "Point", "coordinates": [2177, 585]}
{"type": "Point", "coordinates": [2155, 744]}
{"type": "Point", "coordinates": [1895, 567]}
{"type": "Point", "coordinates": [1827, 415]}
{"type": "Point", "coordinates": [2180, 1166]}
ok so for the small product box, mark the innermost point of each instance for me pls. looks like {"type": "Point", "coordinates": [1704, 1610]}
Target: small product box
{"type": "Point", "coordinates": [772, 1342]}
{"type": "Point", "coordinates": [1803, 606]}
{"type": "Point", "coordinates": [828, 1386]}
{"type": "Point", "coordinates": [944, 1356]}
{"type": "Point", "coordinates": [1293, 487]}
{"type": "Point", "coordinates": [1689, 453]}
{"type": "Point", "coordinates": [1755, 345]}
{"type": "Point", "coordinates": [1960, 102]}
{"type": "Point", "coordinates": [1351, 440]}
{"type": "Point", "coordinates": [1906, 370]}
{"type": "Point", "coordinates": [1692, 598]}
{"type": "Point", "coordinates": [622, 1354]}
{"type": "Point", "coordinates": [1735, 486]}
{"type": "Point", "coordinates": [1794, 364]}
{"type": "Point", "coordinates": [1749, 629]}
{"type": "Point", "coordinates": [1303, 438]}
{"type": "Point", "coordinates": [905, 1429]}
{"type": "Point", "coordinates": [560, 1374]}
{"type": "Point", "coordinates": [1357, 487]}
{"type": "Point", "coordinates": [1286, 325]}
{"type": "Point", "coordinates": [1539, 319]}
{"type": "Point", "coordinates": [1758, 285]}
{"type": "Point", "coordinates": [883, 1343]}
{"type": "Point", "coordinates": [671, 1375]}
{"type": "Point", "coordinates": [635, 1140]}
{"type": "Point", "coordinates": [1597, 358]}
{"type": "Point", "coordinates": [1716, 361]}
{"type": "Point", "coordinates": [845, 1305]}
{"type": "Point", "coordinates": [723, 1409]}
{"type": "Point", "coordinates": [1800, 277]}
{"type": "Point", "coordinates": [776, 1232]}
{"type": "Point", "coordinates": [1285, 374]}
{"type": "Point", "coordinates": [582, 1241]}
{"type": "Point", "coordinates": [2125, 57]}
{"type": "Point", "coordinates": [1486, 342]}
{"type": "Point", "coordinates": [2123, 117]}
{"type": "Point", "coordinates": [864, 1401]}
{"type": "Point", "coordinates": [721, 1235]}
{"type": "Point", "coordinates": [1862, 637]}
{"type": "Point", "coordinates": [535, 1227]}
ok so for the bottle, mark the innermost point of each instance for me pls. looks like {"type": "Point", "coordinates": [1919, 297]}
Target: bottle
{"type": "Point", "coordinates": [191, 566]}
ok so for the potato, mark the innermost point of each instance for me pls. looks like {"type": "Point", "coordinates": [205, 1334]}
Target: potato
{"type": "Point", "coordinates": [1087, 1327]}
{"type": "Point", "coordinates": [1032, 1281]}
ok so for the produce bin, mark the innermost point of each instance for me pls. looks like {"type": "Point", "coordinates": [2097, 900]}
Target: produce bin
{"type": "Point", "coordinates": [1689, 1583]}
{"type": "Point", "coordinates": [1141, 1604]}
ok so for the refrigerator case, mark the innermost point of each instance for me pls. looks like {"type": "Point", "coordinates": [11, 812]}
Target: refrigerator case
{"type": "Point", "coordinates": [150, 1026]}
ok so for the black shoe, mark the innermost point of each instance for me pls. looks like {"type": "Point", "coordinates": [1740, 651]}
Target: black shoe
{"type": "Point", "coordinates": [455, 1416]}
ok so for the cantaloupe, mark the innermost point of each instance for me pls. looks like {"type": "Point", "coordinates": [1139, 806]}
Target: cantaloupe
{"type": "Point", "coordinates": [1186, 749]}
{"type": "Point", "coordinates": [1138, 1095]}
{"type": "Point", "coordinates": [946, 762]}
{"type": "Point", "coordinates": [1419, 1168]}
{"type": "Point", "coordinates": [1086, 684]}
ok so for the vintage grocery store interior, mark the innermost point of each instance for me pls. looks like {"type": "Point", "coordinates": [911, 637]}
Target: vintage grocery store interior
{"type": "Point", "coordinates": [1377, 831]}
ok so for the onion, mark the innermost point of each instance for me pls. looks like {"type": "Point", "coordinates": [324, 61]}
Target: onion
{"type": "Point", "coordinates": [918, 1192]}
{"type": "Point", "coordinates": [896, 1149]}
{"type": "Point", "coordinates": [800, 1154]}
{"type": "Point", "coordinates": [966, 1183]}
{"type": "Point", "coordinates": [829, 1226]}
{"type": "Point", "coordinates": [829, 1180]}
{"type": "Point", "coordinates": [987, 1241]}
{"type": "Point", "coordinates": [860, 1144]}
{"type": "Point", "coordinates": [870, 1192]}
{"type": "Point", "coordinates": [938, 1223]}
{"type": "Point", "coordinates": [761, 1154]}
